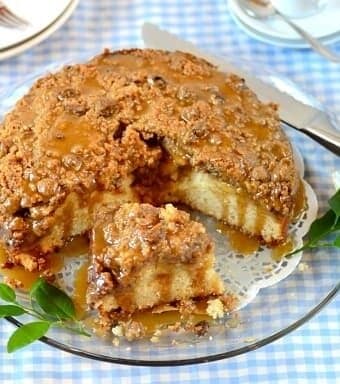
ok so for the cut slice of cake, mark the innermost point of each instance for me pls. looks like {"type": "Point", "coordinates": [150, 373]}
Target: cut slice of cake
{"type": "Point", "coordinates": [145, 257]}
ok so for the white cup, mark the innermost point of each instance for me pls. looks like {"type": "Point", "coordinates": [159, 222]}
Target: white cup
{"type": "Point", "coordinates": [299, 8]}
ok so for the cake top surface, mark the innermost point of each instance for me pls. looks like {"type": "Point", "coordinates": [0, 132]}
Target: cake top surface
{"type": "Point", "coordinates": [125, 239]}
{"type": "Point", "coordinates": [91, 126]}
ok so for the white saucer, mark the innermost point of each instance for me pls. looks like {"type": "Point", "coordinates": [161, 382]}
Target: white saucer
{"type": "Point", "coordinates": [325, 26]}
{"type": "Point", "coordinates": [11, 45]}
{"type": "Point", "coordinates": [292, 43]}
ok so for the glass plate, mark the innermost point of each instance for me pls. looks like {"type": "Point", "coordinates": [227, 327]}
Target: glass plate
{"type": "Point", "coordinates": [274, 312]}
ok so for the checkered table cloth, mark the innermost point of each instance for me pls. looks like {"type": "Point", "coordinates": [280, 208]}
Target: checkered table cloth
{"type": "Point", "coordinates": [311, 354]}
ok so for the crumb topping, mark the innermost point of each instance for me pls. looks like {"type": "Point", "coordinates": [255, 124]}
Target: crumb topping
{"type": "Point", "coordinates": [90, 126]}
{"type": "Point", "coordinates": [140, 233]}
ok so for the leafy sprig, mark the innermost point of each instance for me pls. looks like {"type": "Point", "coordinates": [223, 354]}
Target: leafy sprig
{"type": "Point", "coordinates": [324, 231]}
{"type": "Point", "coordinates": [49, 305]}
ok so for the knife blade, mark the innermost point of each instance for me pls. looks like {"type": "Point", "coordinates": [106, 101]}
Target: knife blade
{"type": "Point", "coordinates": [297, 110]}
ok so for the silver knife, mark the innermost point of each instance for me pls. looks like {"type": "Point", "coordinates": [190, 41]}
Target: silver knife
{"type": "Point", "coordinates": [297, 110]}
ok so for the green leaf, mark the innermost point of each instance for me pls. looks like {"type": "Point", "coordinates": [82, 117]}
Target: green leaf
{"type": "Point", "coordinates": [321, 226]}
{"type": "Point", "coordinates": [37, 309]}
{"type": "Point", "coordinates": [27, 334]}
{"type": "Point", "coordinates": [337, 242]}
{"type": "Point", "coordinates": [11, 310]}
{"type": "Point", "coordinates": [334, 203]}
{"type": "Point", "coordinates": [52, 300]}
{"type": "Point", "coordinates": [7, 293]}
{"type": "Point", "coordinates": [337, 225]}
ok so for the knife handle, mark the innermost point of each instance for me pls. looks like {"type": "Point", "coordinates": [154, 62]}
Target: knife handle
{"type": "Point", "coordinates": [328, 139]}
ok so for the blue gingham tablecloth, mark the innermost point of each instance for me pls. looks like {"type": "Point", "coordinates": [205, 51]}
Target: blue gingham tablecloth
{"type": "Point", "coordinates": [311, 354]}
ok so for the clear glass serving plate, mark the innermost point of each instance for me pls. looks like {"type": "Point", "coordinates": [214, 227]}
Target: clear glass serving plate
{"type": "Point", "coordinates": [272, 313]}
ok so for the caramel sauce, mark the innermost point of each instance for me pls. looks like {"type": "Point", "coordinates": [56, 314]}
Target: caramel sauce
{"type": "Point", "coordinates": [68, 133]}
{"type": "Point", "coordinates": [246, 245]}
{"type": "Point", "coordinates": [241, 210]}
{"type": "Point", "coordinates": [258, 130]}
{"type": "Point", "coordinates": [98, 240]}
{"type": "Point", "coordinates": [214, 139]}
{"type": "Point", "coordinates": [125, 298]}
{"type": "Point", "coordinates": [153, 321]}
{"type": "Point", "coordinates": [91, 85]}
{"type": "Point", "coordinates": [123, 61]}
{"type": "Point", "coordinates": [300, 201]}
{"type": "Point", "coordinates": [238, 241]}
{"type": "Point", "coordinates": [164, 285]}
{"type": "Point", "coordinates": [76, 246]}
{"type": "Point", "coordinates": [228, 91]}
{"type": "Point", "coordinates": [278, 151]}
{"type": "Point", "coordinates": [202, 86]}
{"type": "Point", "coordinates": [26, 189]}
{"type": "Point", "coordinates": [28, 115]}
{"type": "Point", "coordinates": [80, 288]}
{"type": "Point", "coordinates": [25, 277]}
{"type": "Point", "coordinates": [282, 250]}
{"type": "Point", "coordinates": [260, 220]}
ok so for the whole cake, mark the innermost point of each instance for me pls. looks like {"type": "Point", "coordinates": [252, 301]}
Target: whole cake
{"type": "Point", "coordinates": [140, 126]}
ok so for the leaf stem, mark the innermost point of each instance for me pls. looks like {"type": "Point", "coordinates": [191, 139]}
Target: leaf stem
{"type": "Point", "coordinates": [79, 329]}
{"type": "Point", "coordinates": [305, 246]}
{"type": "Point", "coordinates": [29, 311]}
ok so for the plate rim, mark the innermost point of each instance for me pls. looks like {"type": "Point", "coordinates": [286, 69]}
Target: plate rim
{"type": "Point", "coordinates": [191, 361]}
{"type": "Point", "coordinates": [265, 29]}
{"type": "Point", "coordinates": [23, 45]}
{"type": "Point", "coordinates": [35, 32]}
{"type": "Point", "coordinates": [279, 41]}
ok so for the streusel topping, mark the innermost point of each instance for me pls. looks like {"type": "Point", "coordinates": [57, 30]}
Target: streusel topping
{"type": "Point", "coordinates": [90, 126]}
{"type": "Point", "coordinates": [136, 234]}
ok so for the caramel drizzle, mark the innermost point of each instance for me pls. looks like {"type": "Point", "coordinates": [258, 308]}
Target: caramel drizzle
{"type": "Point", "coordinates": [238, 241]}
{"type": "Point", "coordinates": [74, 247]}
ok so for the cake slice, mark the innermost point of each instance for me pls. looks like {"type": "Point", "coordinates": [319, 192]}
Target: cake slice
{"type": "Point", "coordinates": [145, 257]}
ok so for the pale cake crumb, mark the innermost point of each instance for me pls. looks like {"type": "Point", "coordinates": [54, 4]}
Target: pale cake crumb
{"type": "Point", "coordinates": [156, 336]}
{"type": "Point", "coordinates": [14, 283]}
{"type": "Point", "coordinates": [234, 322]}
{"type": "Point", "coordinates": [249, 340]}
{"type": "Point", "coordinates": [157, 333]}
{"type": "Point", "coordinates": [175, 327]}
{"type": "Point", "coordinates": [115, 341]}
{"type": "Point", "coordinates": [133, 330]}
{"type": "Point", "coordinates": [303, 267]}
{"type": "Point", "coordinates": [118, 331]}
{"type": "Point", "coordinates": [215, 309]}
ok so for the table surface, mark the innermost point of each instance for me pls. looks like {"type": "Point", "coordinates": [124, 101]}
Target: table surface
{"type": "Point", "coordinates": [310, 354]}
